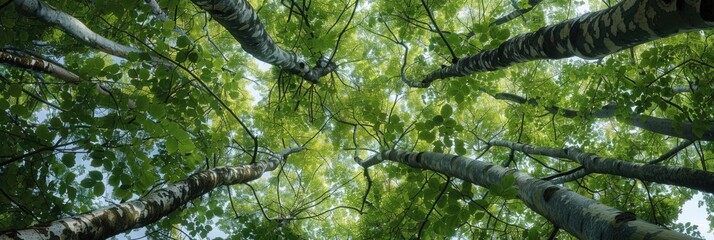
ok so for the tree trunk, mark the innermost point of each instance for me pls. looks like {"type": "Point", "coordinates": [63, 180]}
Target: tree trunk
{"type": "Point", "coordinates": [583, 217]}
{"type": "Point", "coordinates": [679, 176]}
{"type": "Point", "coordinates": [107, 222]}
{"type": "Point", "coordinates": [239, 18]}
{"type": "Point", "coordinates": [39, 65]}
{"type": "Point", "coordinates": [72, 26]}
{"type": "Point", "coordinates": [594, 35]}
{"type": "Point", "coordinates": [75, 28]}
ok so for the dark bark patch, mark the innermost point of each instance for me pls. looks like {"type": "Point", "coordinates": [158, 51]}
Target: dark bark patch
{"type": "Point", "coordinates": [548, 193]}
{"type": "Point", "coordinates": [417, 159]}
{"type": "Point", "coordinates": [625, 217]}
{"type": "Point", "coordinates": [706, 10]}
{"type": "Point", "coordinates": [216, 11]}
{"type": "Point", "coordinates": [485, 169]}
{"type": "Point", "coordinates": [575, 36]}
{"type": "Point", "coordinates": [680, 5]}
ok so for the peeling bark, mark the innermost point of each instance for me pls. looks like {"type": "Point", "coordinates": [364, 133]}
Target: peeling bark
{"type": "Point", "coordinates": [239, 18]}
{"type": "Point", "coordinates": [580, 216]}
{"type": "Point", "coordinates": [679, 176]}
{"type": "Point", "coordinates": [39, 65]}
{"type": "Point", "coordinates": [107, 222]}
{"type": "Point", "coordinates": [593, 35]}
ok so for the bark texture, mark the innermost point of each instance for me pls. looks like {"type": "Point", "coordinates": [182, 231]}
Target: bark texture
{"type": "Point", "coordinates": [679, 176]}
{"type": "Point", "coordinates": [39, 65]}
{"type": "Point", "coordinates": [583, 217]}
{"type": "Point", "coordinates": [104, 223]}
{"type": "Point", "coordinates": [239, 18]}
{"type": "Point", "coordinates": [593, 35]}
{"type": "Point", "coordinates": [72, 26]}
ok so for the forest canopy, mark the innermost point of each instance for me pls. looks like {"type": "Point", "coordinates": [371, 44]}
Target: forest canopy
{"type": "Point", "coordinates": [335, 119]}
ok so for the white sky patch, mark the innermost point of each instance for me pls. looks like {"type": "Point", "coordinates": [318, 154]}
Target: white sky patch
{"type": "Point", "coordinates": [691, 212]}
{"type": "Point", "coordinates": [251, 86]}
{"type": "Point", "coordinates": [262, 66]}
{"type": "Point", "coordinates": [582, 9]}
{"type": "Point", "coordinates": [254, 93]}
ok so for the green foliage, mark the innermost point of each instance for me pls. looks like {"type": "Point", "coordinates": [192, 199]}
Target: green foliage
{"type": "Point", "coordinates": [137, 123]}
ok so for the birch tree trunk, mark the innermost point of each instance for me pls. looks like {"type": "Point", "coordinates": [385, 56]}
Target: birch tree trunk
{"type": "Point", "coordinates": [40, 65]}
{"type": "Point", "coordinates": [593, 35]}
{"type": "Point", "coordinates": [679, 176]}
{"type": "Point", "coordinates": [239, 18]}
{"type": "Point", "coordinates": [77, 29]}
{"type": "Point", "coordinates": [583, 217]}
{"type": "Point", "coordinates": [72, 26]}
{"type": "Point", "coordinates": [107, 222]}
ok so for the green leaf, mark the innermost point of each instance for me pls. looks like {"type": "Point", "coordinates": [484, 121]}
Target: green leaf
{"type": "Point", "coordinates": [459, 97]}
{"type": "Point", "coordinates": [450, 122]}
{"type": "Point", "coordinates": [157, 111]}
{"type": "Point", "coordinates": [93, 66]}
{"type": "Point", "coordinates": [55, 122]}
{"type": "Point", "coordinates": [447, 142]}
{"type": "Point", "coordinates": [19, 110]}
{"type": "Point", "coordinates": [427, 136]}
{"type": "Point", "coordinates": [44, 133]}
{"type": "Point", "coordinates": [68, 159]}
{"type": "Point", "coordinates": [500, 34]}
{"type": "Point", "coordinates": [446, 111]}
{"type": "Point", "coordinates": [172, 145]}
{"type": "Point", "coordinates": [169, 25]}
{"type": "Point", "coordinates": [87, 183]}
{"type": "Point", "coordinates": [71, 193]}
{"type": "Point", "coordinates": [473, 207]}
{"type": "Point", "coordinates": [97, 158]}
{"type": "Point", "coordinates": [429, 124]}
{"type": "Point", "coordinates": [98, 189]}
{"type": "Point", "coordinates": [112, 69]}
{"type": "Point", "coordinates": [186, 146]}
{"type": "Point", "coordinates": [534, 234]}
{"type": "Point", "coordinates": [4, 104]}
{"type": "Point", "coordinates": [114, 180]}
{"type": "Point", "coordinates": [108, 164]}
{"type": "Point", "coordinates": [96, 175]}
{"type": "Point", "coordinates": [15, 90]}
{"type": "Point", "coordinates": [700, 127]}
{"type": "Point", "coordinates": [193, 57]}
{"type": "Point", "coordinates": [467, 189]}
{"type": "Point", "coordinates": [438, 119]}
{"type": "Point", "coordinates": [459, 147]}
{"type": "Point", "coordinates": [181, 56]}
{"type": "Point", "coordinates": [478, 215]}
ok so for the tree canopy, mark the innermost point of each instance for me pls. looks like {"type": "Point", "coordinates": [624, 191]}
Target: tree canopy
{"type": "Point", "coordinates": [364, 119]}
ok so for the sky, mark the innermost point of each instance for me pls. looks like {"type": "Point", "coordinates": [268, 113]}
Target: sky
{"type": "Point", "coordinates": [691, 212]}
